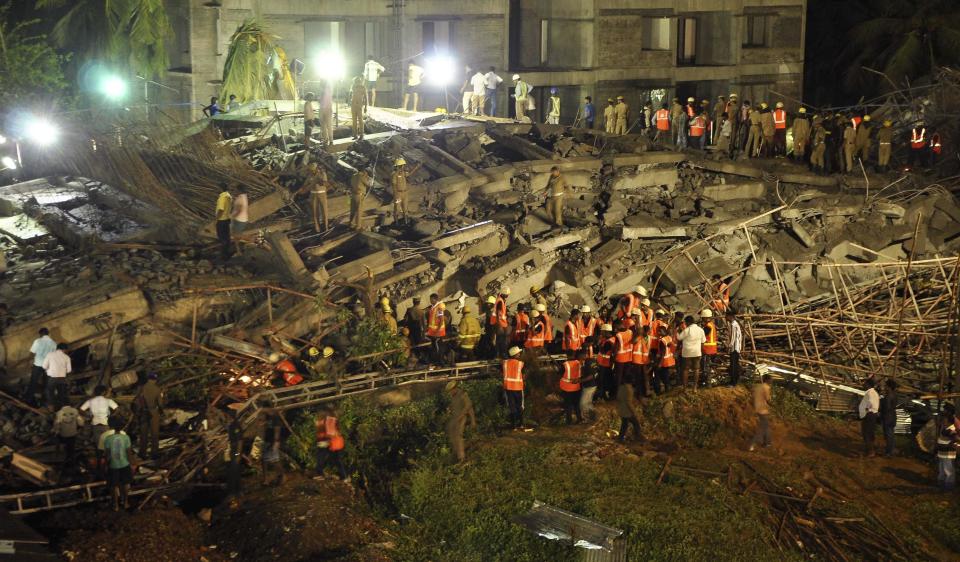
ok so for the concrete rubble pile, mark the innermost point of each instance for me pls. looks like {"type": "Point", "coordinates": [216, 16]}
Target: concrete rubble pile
{"type": "Point", "coordinates": [85, 257]}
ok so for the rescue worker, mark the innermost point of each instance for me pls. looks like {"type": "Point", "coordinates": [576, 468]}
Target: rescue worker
{"type": "Point", "coordinates": [801, 134]}
{"type": "Point", "coordinates": [724, 135]}
{"type": "Point", "coordinates": [589, 113]}
{"type": "Point", "coordinates": [371, 73]}
{"type": "Point", "coordinates": [414, 80]}
{"type": "Point", "coordinates": [360, 183]}
{"type": "Point", "coordinates": [818, 146]}
{"type": "Point", "coordinates": [149, 406]}
{"type": "Point", "coordinates": [864, 140]}
{"type": "Point", "coordinates": [466, 90]}
{"type": "Point", "coordinates": [330, 443]}
{"type": "Point", "coordinates": [398, 182]}
{"type": "Point", "coordinates": [833, 143]}
{"type": "Point", "coordinates": [570, 389]}
{"type": "Point", "coordinates": [547, 323]}
{"type": "Point", "coordinates": [779, 130]}
{"type": "Point", "coordinates": [885, 142]}
{"type": "Point", "coordinates": [461, 409]}
{"type": "Point", "coordinates": [666, 361]}
{"type": "Point", "coordinates": [414, 320]}
{"type": "Point", "coordinates": [743, 131]}
{"type": "Point", "coordinates": [386, 316]}
{"type": "Point", "coordinates": [513, 387]}
{"type": "Point", "coordinates": [640, 359]}
{"type": "Point", "coordinates": [768, 129]}
{"type": "Point", "coordinates": [610, 117]}
{"type": "Point", "coordinates": [720, 291]}
{"type": "Point", "coordinates": [719, 109]}
{"type": "Point", "coordinates": [572, 340]}
{"type": "Point", "coordinates": [849, 146]}
{"type": "Point", "coordinates": [320, 363]}
{"type": "Point", "coordinates": [521, 91]}
{"type": "Point", "coordinates": [631, 300]}
{"type": "Point", "coordinates": [521, 323]}
{"type": "Point", "coordinates": [326, 115]}
{"type": "Point", "coordinates": [623, 352]}
{"type": "Point", "coordinates": [683, 122]}
{"type": "Point", "coordinates": [556, 189]}
{"type": "Point", "coordinates": [647, 315]}
{"type": "Point", "coordinates": [588, 328]}
{"type": "Point", "coordinates": [468, 333]}
{"type": "Point", "coordinates": [437, 328]}
{"type": "Point", "coordinates": [755, 136]}
{"type": "Point", "coordinates": [318, 196]}
{"type": "Point", "coordinates": [707, 120]}
{"type": "Point", "coordinates": [626, 408]}
{"type": "Point", "coordinates": [502, 325]}
{"type": "Point", "coordinates": [605, 348]}
{"type": "Point", "coordinates": [676, 110]}
{"type": "Point", "coordinates": [935, 149]}
{"type": "Point", "coordinates": [733, 114]}
{"type": "Point", "coordinates": [358, 106]}
{"type": "Point", "coordinates": [309, 119]}
{"type": "Point", "coordinates": [623, 116]}
{"type": "Point", "coordinates": [918, 145]}
{"type": "Point", "coordinates": [709, 346]}
{"type": "Point", "coordinates": [284, 371]}
{"type": "Point", "coordinates": [553, 115]}
{"type": "Point", "coordinates": [698, 131]}
{"type": "Point", "coordinates": [661, 121]}
{"type": "Point", "coordinates": [646, 118]}
{"type": "Point", "coordinates": [535, 333]}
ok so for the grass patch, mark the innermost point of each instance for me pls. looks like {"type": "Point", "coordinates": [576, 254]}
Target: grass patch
{"type": "Point", "coordinates": [941, 519]}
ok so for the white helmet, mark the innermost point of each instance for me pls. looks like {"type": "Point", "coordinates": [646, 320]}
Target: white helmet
{"type": "Point", "coordinates": [706, 313]}
{"type": "Point", "coordinates": [516, 76]}
{"type": "Point", "coordinates": [641, 290]}
{"type": "Point", "coordinates": [585, 309]}
{"type": "Point", "coordinates": [514, 351]}
{"type": "Point", "coordinates": [505, 291]}
{"type": "Point", "coordinates": [535, 314]}
{"type": "Point", "coordinates": [645, 302]}
{"type": "Point", "coordinates": [636, 312]}
{"type": "Point", "coordinates": [540, 307]}
{"type": "Point", "coordinates": [274, 357]}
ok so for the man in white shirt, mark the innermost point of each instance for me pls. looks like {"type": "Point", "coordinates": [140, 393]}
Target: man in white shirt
{"type": "Point", "coordinates": [99, 408]}
{"type": "Point", "coordinates": [479, 83]}
{"type": "Point", "coordinates": [466, 90]}
{"type": "Point", "coordinates": [414, 83]}
{"type": "Point", "coordinates": [309, 119]}
{"type": "Point", "coordinates": [41, 347]}
{"type": "Point", "coordinates": [735, 345]}
{"type": "Point", "coordinates": [371, 73]}
{"type": "Point", "coordinates": [57, 366]}
{"type": "Point", "coordinates": [493, 84]}
{"type": "Point", "coordinates": [692, 338]}
{"type": "Point", "coordinates": [869, 409]}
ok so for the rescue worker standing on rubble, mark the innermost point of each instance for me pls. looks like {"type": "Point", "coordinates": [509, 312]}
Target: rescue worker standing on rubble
{"type": "Point", "coordinates": [414, 79]}
{"type": "Point", "coordinates": [864, 140]}
{"type": "Point", "coordinates": [622, 111]}
{"type": "Point", "coordinates": [149, 406]}
{"type": "Point", "coordinates": [468, 334]}
{"type": "Point", "coordinates": [553, 114]}
{"type": "Point", "coordinates": [755, 136]}
{"type": "Point", "coordinates": [461, 409]}
{"type": "Point", "coordinates": [326, 114]}
{"type": "Point", "coordinates": [371, 73]}
{"type": "Point", "coordinates": [780, 130]}
{"type": "Point", "coordinates": [801, 134]}
{"type": "Point", "coordinates": [360, 183]}
{"type": "Point", "coordinates": [556, 190]}
{"type": "Point", "coordinates": [513, 387]}
{"type": "Point", "coordinates": [610, 117]}
{"type": "Point", "coordinates": [398, 182]}
{"type": "Point", "coordinates": [317, 178]}
{"type": "Point", "coordinates": [885, 142]}
{"type": "Point", "coordinates": [849, 146]}
{"type": "Point", "coordinates": [309, 119]}
{"type": "Point", "coordinates": [521, 91]}
{"type": "Point", "coordinates": [768, 129]}
{"type": "Point", "coordinates": [818, 146]}
{"type": "Point", "coordinates": [918, 145]}
{"type": "Point", "coordinates": [358, 106]}
{"type": "Point", "coordinates": [662, 122]}
{"type": "Point", "coordinates": [502, 326]}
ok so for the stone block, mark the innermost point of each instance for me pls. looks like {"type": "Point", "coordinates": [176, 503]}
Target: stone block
{"type": "Point", "coordinates": [649, 178]}
{"type": "Point", "coordinates": [465, 235]}
{"type": "Point", "coordinates": [652, 230]}
{"type": "Point", "coordinates": [731, 191]}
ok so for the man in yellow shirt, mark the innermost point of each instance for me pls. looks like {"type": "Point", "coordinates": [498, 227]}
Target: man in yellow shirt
{"type": "Point", "coordinates": [223, 211]}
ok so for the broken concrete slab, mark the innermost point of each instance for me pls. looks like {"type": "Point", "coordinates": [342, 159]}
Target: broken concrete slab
{"type": "Point", "coordinates": [465, 235]}
{"type": "Point", "coordinates": [449, 264]}
{"type": "Point", "coordinates": [356, 270]}
{"type": "Point", "coordinates": [648, 178]}
{"type": "Point", "coordinates": [23, 229]}
{"type": "Point", "coordinates": [731, 191]}
{"type": "Point", "coordinates": [491, 245]}
{"type": "Point", "coordinates": [511, 262]}
{"type": "Point", "coordinates": [654, 228]}
{"type": "Point", "coordinates": [809, 179]}
{"type": "Point", "coordinates": [801, 233]}
{"type": "Point", "coordinates": [726, 167]}
{"type": "Point", "coordinates": [552, 243]}
{"type": "Point", "coordinates": [611, 250]}
{"type": "Point", "coordinates": [647, 158]}
{"type": "Point", "coordinates": [287, 257]}
{"type": "Point", "coordinates": [401, 271]}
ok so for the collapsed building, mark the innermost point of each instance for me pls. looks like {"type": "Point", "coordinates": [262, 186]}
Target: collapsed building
{"type": "Point", "coordinates": [837, 278]}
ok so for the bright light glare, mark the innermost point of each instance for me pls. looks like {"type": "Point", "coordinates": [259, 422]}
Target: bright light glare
{"type": "Point", "coordinates": [42, 132]}
{"type": "Point", "coordinates": [440, 70]}
{"type": "Point", "coordinates": [3, 139]}
{"type": "Point", "coordinates": [8, 163]}
{"type": "Point", "coordinates": [113, 87]}
{"type": "Point", "coordinates": [331, 65]}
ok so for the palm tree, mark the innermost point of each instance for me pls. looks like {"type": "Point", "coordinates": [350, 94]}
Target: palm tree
{"type": "Point", "coordinates": [256, 67]}
{"type": "Point", "coordinates": [131, 33]}
{"type": "Point", "coordinates": [903, 39]}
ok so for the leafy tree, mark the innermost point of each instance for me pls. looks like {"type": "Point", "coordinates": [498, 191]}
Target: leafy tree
{"type": "Point", "coordinates": [29, 67]}
{"type": "Point", "coordinates": [904, 39]}
{"type": "Point", "coordinates": [132, 33]}
{"type": "Point", "coordinates": [256, 67]}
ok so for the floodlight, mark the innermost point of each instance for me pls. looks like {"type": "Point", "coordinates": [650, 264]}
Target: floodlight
{"type": "Point", "coordinates": [331, 65]}
{"type": "Point", "coordinates": [8, 163]}
{"type": "Point", "coordinates": [440, 70]}
{"type": "Point", "coordinates": [113, 87]}
{"type": "Point", "coordinates": [41, 132]}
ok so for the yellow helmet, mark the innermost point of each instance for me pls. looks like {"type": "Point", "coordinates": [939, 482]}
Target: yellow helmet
{"type": "Point", "coordinates": [779, 105]}
{"type": "Point", "coordinates": [400, 162]}
{"type": "Point", "coordinates": [763, 105]}
{"type": "Point", "coordinates": [887, 123]}
{"type": "Point", "coordinates": [313, 351]}
{"type": "Point", "coordinates": [866, 117]}
{"type": "Point", "coordinates": [491, 299]}
{"type": "Point", "coordinates": [541, 307]}
{"type": "Point", "coordinates": [535, 314]}
{"type": "Point", "coordinates": [467, 309]}
{"type": "Point", "coordinates": [328, 351]}
{"type": "Point", "coordinates": [802, 110]}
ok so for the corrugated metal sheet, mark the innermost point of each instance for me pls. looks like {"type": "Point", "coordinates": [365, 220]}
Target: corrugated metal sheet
{"type": "Point", "coordinates": [600, 542]}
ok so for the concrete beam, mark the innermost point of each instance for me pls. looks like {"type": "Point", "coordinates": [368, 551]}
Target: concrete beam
{"type": "Point", "coordinates": [356, 270]}
{"type": "Point", "coordinates": [647, 178]}
{"type": "Point", "coordinates": [287, 257]}
{"type": "Point", "coordinates": [609, 251]}
{"type": "Point", "coordinates": [519, 259]}
{"type": "Point", "coordinates": [731, 191]}
{"type": "Point", "coordinates": [465, 235]}
{"type": "Point", "coordinates": [401, 271]}
{"type": "Point", "coordinates": [653, 230]}
{"type": "Point", "coordinates": [523, 147]}
{"type": "Point", "coordinates": [733, 168]}
{"type": "Point", "coordinates": [648, 158]}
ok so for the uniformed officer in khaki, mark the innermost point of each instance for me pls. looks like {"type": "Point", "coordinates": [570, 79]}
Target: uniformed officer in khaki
{"type": "Point", "coordinates": [752, 148]}
{"type": "Point", "coordinates": [358, 106]}
{"type": "Point", "coordinates": [622, 111]}
{"type": "Point", "coordinates": [318, 196]}
{"type": "Point", "coordinates": [849, 146]}
{"type": "Point", "coordinates": [610, 116]}
{"type": "Point", "coordinates": [149, 405]}
{"type": "Point", "coordinates": [359, 184]}
{"type": "Point", "coordinates": [398, 182]}
{"type": "Point", "coordinates": [801, 134]}
{"type": "Point", "coordinates": [461, 408]}
{"type": "Point", "coordinates": [885, 140]}
{"type": "Point", "coordinates": [818, 145]}
{"type": "Point", "coordinates": [556, 189]}
{"type": "Point", "coordinates": [864, 141]}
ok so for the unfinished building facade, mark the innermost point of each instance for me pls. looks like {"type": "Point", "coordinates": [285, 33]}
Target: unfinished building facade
{"type": "Point", "coordinates": [641, 49]}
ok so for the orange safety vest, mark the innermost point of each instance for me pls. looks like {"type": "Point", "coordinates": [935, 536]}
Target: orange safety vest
{"type": "Point", "coordinates": [780, 118]}
{"type": "Point", "coordinates": [647, 318]}
{"type": "Point", "coordinates": [724, 291]}
{"type": "Point", "coordinates": [662, 118]}
{"type": "Point", "coordinates": [548, 327]}
{"type": "Point", "coordinates": [710, 346]}
{"type": "Point", "coordinates": [624, 347]}
{"type": "Point", "coordinates": [586, 332]}
{"type": "Point", "coordinates": [512, 374]}
{"type": "Point", "coordinates": [436, 322]}
{"type": "Point", "coordinates": [641, 351]}
{"type": "Point", "coordinates": [632, 300]}
{"type": "Point", "coordinates": [918, 141]}
{"type": "Point", "coordinates": [520, 327]}
{"type": "Point", "coordinates": [534, 336]}
{"type": "Point", "coordinates": [570, 381]}
{"type": "Point", "coordinates": [667, 348]}
{"type": "Point", "coordinates": [935, 143]}
{"type": "Point", "coordinates": [604, 352]}
{"type": "Point", "coordinates": [856, 122]}
{"type": "Point", "coordinates": [328, 432]}
{"type": "Point", "coordinates": [697, 126]}
{"type": "Point", "coordinates": [571, 337]}
{"type": "Point", "coordinates": [500, 311]}
{"type": "Point", "coordinates": [289, 372]}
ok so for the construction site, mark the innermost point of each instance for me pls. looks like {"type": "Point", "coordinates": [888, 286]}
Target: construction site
{"type": "Point", "coordinates": [836, 278]}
